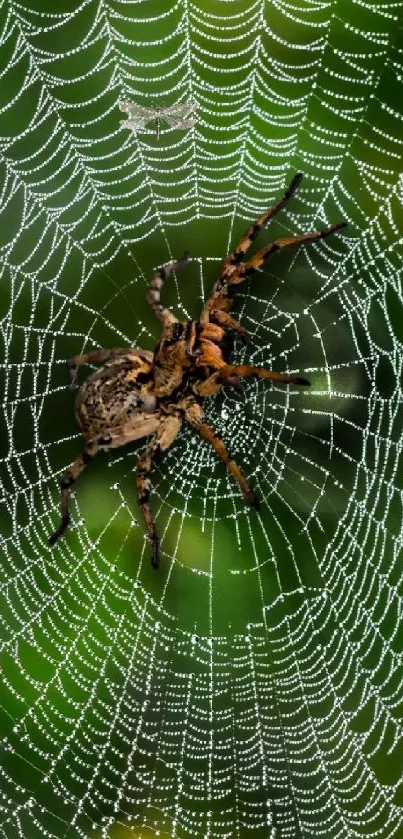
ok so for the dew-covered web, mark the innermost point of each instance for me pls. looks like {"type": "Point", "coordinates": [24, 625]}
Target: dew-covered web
{"type": "Point", "coordinates": [253, 685]}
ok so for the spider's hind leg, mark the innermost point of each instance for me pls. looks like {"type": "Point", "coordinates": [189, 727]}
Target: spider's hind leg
{"type": "Point", "coordinates": [68, 479]}
{"type": "Point", "coordinates": [143, 485]}
{"type": "Point", "coordinates": [165, 436]}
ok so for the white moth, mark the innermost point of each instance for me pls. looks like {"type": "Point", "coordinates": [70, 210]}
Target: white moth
{"type": "Point", "coordinates": [181, 116]}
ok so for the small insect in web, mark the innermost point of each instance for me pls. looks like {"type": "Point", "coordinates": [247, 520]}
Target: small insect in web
{"type": "Point", "coordinates": [138, 393]}
{"type": "Point", "coordinates": [181, 116]}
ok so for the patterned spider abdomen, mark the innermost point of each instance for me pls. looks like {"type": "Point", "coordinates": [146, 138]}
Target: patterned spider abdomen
{"type": "Point", "coordinates": [112, 403]}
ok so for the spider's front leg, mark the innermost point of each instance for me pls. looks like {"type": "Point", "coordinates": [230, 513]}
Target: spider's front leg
{"type": "Point", "coordinates": [233, 272]}
{"type": "Point", "coordinates": [194, 416]}
{"type": "Point", "coordinates": [168, 430]}
{"type": "Point", "coordinates": [218, 298]}
{"type": "Point", "coordinates": [235, 257]}
{"type": "Point", "coordinates": [260, 257]}
{"type": "Point", "coordinates": [228, 322]}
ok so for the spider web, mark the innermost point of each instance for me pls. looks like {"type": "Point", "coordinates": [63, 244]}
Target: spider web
{"type": "Point", "coordinates": [253, 686]}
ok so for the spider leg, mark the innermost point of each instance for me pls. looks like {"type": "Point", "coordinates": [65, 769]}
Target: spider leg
{"type": "Point", "coordinates": [212, 385]}
{"type": "Point", "coordinates": [194, 416]}
{"type": "Point", "coordinates": [235, 257]}
{"type": "Point", "coordinates": [154, 291]}
{"type": "Point", "coordinates": [228, 322]}
{"type": "Point", "coordinates": [165, 436]}
{"type": "Point", "coordinates": [231, 263]}
{"type": "Point", "coordinates": [143, 485]}
{"type": "Point", "coordinates": [260, 257]}
{"type": "Point", "coordinates": [68, 479]}
{"type": "Point", "coordinates": [233, 272]}
{"type": "Point", "coordinates": [244, 370]}
{"type": "Point", "coordinates": [95, 356]}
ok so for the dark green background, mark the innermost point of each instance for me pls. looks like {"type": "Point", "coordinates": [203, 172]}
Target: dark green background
{"type": "Point", "coordinates": [253, 686]}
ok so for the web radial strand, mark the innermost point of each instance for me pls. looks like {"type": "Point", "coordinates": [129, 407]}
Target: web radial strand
{"type": "Point", "coordinates": [253, 685]}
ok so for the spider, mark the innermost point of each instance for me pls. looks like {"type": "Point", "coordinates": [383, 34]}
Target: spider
{"type": "Point", "coordinates": [137, 393]}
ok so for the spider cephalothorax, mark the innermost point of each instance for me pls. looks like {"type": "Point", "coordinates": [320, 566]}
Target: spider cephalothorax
{"type": "Point", "coordinates": [137, 393]}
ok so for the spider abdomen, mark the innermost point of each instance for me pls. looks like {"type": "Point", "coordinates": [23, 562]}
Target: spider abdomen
{"type": "Point", "coordinates": [113, 399]}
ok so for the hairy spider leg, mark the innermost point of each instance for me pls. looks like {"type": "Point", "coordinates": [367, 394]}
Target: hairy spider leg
{"type": "Point", "coordinates": [194, 416]}
{"type": "Point", "coordinates": [244, 370]}
{"type": "Point", "coordinates": [233, 259]}
{"type": "Point", "coordinates": [68, 479]}
{"type": "Point", "coordinates": [95, 356]}
{"type": "Point", "coordinates": [227, 321]}
{"type": "Point", "coordinates": [260, 257]}
{"type": "Point", "coordinates": [233, 373]}
{"type": "Point", "coordinates": [236, 256]}
{"type": "Point", "coordinates": [210, 356]}
{"type": "Point", "coordinates": [154, 291]}
{"type": "Point", "coordinates": [143, 485]}
{"type": "Point", "coordinates": [163, 439]}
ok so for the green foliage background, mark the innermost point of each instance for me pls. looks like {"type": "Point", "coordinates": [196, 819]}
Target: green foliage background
{"type": "Point", "coordinates": [87, 212]}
